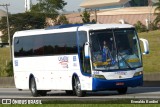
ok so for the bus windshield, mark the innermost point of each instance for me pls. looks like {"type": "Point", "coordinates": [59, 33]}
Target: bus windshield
{"type": "Point", "coordinates": [115, 49]}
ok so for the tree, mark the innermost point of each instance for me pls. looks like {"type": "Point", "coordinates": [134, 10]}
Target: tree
{"type": "Point", "coordinates": [48, 6]}
{"type": "Point", "coordinates": [62, 20]}
{"type": "Point", "coordinates": [22, 21]}
{"type": "Point", "coordinates": [85, 16]}
{"type": "Point", "coordinates": [140, 27]}
{"type": "Point", "coordinates": [157, 12]}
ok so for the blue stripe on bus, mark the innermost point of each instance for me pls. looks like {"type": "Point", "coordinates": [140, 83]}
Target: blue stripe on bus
{"type": "Point", "coordinates": [102, 84]}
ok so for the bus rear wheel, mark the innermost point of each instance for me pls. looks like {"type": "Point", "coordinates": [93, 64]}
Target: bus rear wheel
{"type": "Point", "coordinates": [33, 88]}
{"type": "Point", "coordinates": [122, 90]}
{"type": "Point", "coordinates": [77, 88]}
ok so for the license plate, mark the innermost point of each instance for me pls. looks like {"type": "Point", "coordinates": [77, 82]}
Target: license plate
{"type": "Point", "coordinates": [119, 83]}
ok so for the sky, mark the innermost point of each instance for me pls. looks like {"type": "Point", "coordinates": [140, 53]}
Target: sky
{"type": "Point", "coordinates": [17, 6]}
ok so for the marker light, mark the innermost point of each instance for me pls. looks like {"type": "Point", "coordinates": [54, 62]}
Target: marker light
{"type": "Point", "coordinates": [138, 73]}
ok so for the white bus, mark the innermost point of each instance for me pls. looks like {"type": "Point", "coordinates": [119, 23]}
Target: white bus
{"type": "Point", "coordinates": [78, 58]}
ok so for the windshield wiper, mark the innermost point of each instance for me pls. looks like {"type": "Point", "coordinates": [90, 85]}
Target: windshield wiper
{"type": "Point", "coordinates": [124, 60]}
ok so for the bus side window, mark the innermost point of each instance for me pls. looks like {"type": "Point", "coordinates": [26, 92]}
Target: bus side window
{"type": "Point", "coordinates": [38, 46]}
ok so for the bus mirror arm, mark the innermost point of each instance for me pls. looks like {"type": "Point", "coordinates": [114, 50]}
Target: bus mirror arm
{"type": "Point", "coordinates": [86, 50]}
{"type": "Point", "coordinates": [146, 46]}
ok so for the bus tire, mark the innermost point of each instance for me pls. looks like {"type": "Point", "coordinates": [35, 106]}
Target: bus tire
{"type": "Point", "coordinates": [122, 90]}
{"type": "Point", "coordinates": [33, 87]}
{"type": "Point", "coordinates": [77, 88]}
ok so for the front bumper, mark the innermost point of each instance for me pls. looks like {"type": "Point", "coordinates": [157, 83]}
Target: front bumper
{"type": "Point", "coordinates": [102, 84]}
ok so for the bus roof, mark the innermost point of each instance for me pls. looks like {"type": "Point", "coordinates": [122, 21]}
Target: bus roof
{"type": "Point", "coordinates": [106, 26]}
{"type": "Point", "coordinates": [71, 28]}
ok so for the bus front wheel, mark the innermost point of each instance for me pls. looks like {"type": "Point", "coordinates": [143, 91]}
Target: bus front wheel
{"type": "Point", "coordinates": [33, 87]}
{"type": "Point", "coordinates": [77, 88]}
{"type": "Point", "coordinates": [122, 90]}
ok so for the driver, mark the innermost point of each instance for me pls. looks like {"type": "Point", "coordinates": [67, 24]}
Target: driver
{"type": "Point", "coordinates": [106, 54]}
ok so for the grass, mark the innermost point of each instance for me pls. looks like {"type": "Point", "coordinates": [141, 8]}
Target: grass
{"type": "Point", "coordinates": [151, 61]}
{"type": "Point", "coordinates": [4, 59]}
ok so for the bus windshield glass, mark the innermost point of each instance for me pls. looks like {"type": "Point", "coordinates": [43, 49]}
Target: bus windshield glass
{"type": "Point", "coordinates": [115, 49]}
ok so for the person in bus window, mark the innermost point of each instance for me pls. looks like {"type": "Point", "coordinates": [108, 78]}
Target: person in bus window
{"type": "Point", "coordinates": [106, 54]}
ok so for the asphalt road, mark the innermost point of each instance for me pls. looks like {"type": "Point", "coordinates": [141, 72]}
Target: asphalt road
{"type": "Point", "coordinates": [139, 92]}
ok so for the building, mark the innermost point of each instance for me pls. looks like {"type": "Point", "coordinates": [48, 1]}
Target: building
{"type": "Point", "coordinates": [2, 14]}
{"type": "Point", "coordinates": [130, 15]}
{"type": "Point", "coordinates": [102, 4]}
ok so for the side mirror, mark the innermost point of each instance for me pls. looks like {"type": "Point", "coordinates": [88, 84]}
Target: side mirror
{"type": "Point", "coordinates": [146, 46]}
{"type": "Point", "coordinates": [86, 50]}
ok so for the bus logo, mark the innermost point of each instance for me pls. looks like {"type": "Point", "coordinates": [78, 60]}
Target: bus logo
{"type": "Point", "coordinates": [63, 61]}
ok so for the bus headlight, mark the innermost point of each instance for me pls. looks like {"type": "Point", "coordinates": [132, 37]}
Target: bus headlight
{"type": "Point", "coordinates": [138, 73]}
{"type": "Point", "coordinates": [99, 76]}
